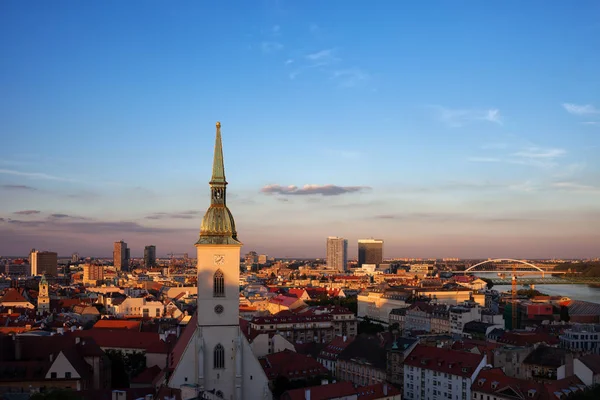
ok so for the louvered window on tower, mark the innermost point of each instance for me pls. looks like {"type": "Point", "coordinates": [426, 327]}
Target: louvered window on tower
{"type": "Point", "coordinates": [219, 284]}
{"type": "Point", "coordinates": [219, 357]}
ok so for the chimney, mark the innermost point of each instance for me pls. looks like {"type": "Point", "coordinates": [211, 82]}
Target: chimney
{"type": "Point", "coordinates": [119, 395]}
{"type": "Point", "coordinates": [324, 381]}
{"type": "Point", "coordinates": [18, 345]}
{"type": "Point", "coordinates": [307, 394]}
{"type": "Point", "coordinates": [77, 339]}
{"type": "Point", "coordinates": [51, 357]}
{"type": "Point", "coordinates": [385, 389]}
{"type": "Point", "coordinates": [345, 338]}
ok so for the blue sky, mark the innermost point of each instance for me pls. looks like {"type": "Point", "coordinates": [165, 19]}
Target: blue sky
{"type": "Point", "coordinates": [448, 129]}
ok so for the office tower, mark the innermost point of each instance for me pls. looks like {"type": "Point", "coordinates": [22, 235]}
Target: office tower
{"type": "Point", "coordinates": [337, 253]}
{"type": "Point", "coordinates": [217, 360]}
{"type": "Point", "coordinates": [370, 251]}
{"type": "Point", "coordinates": [262, 259]}
{"type": "Point", "coordinates": [150, 256]}
{"type": "Point", "coordinates": [251, 258]}
{"type": "Point", "coordinates": [92, 273]}
{"type": "Point", "coordinates": [75, 258]}
{"type": "Point", "coordinates": [120, 256]}
{"type": "Point", "coordinates": [44, 263]}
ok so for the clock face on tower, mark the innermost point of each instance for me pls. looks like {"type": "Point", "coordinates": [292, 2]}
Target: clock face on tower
{"type": "Point", "coordinates": [219, 259]}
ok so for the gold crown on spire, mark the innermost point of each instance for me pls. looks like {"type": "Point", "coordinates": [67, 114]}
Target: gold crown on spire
{"type": "Point", "coordinates": [218, 124]}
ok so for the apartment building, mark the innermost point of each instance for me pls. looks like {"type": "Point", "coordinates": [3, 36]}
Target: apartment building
{"type": "Point", "coordinates": [432, 373]}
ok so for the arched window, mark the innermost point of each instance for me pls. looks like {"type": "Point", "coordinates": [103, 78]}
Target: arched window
{"type": "Point", "coordinates": [219, 284]}
{"type": "Point", "coordinates": [219, 357]}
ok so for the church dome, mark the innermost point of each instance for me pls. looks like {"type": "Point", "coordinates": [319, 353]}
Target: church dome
{"type": "Point", "coordinates": [218, 221]}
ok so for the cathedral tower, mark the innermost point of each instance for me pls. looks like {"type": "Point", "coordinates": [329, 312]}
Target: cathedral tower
{"type": "Point", "coordinates": [216, 360]}
{"type": "Point", "coordinates": [218, 251]}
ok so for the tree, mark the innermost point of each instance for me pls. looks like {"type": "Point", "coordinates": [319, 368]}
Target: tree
{"type": "Point", "coordinates": [564, 314]}
{"type": "Point", "coordinates": [489, 282]}
{"type": "Point", "coordinates": [55, 394]}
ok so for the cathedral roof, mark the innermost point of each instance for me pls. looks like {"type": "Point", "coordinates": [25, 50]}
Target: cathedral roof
{"type": "Point", "coordinates": [218, 225]}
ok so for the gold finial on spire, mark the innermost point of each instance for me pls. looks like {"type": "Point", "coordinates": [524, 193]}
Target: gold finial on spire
{"type": "Point", "coordinates": [218, 125]}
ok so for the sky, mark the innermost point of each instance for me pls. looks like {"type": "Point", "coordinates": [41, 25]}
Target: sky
{"type": "Point", "coordinates": [447, 129]}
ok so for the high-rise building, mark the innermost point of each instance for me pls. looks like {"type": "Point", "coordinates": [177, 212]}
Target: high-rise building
{"type": "Point", "coordinates": [92, 273]}
{"type": "Point", "coordinates": [75, 258]}
{"type": "Point", "coordinates": [251, 258]}
{"type": "Point", "coordinates": [120, 256]}
{"type": "Point", "coordinates": [370, 251]}
{"type": "Point", "coordinates": [337, 253]}
{"type": "Point", "coordinates": [262, 259]}
{"type": "Point", "coordinates": [217, 358]}
{"type": "Point", "coordinates": [150, 256]}
{"type": "Point", "coordinates": [44, 263]}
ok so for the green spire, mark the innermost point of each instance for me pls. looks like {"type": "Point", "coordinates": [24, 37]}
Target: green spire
{"type": "Point", "coordinates": [218, 172]}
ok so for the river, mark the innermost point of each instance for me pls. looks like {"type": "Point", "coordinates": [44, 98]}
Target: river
{"type": "Point", "coordinates": [574, 292]}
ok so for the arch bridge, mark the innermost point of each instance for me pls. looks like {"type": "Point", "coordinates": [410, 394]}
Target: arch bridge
{"type": "Point", "coordinates": [499, 265]}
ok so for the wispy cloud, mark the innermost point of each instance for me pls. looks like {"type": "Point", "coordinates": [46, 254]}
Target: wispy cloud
{"type": "Point", "coordinates": [459, 117]}
{"type": "Point", "coordinates": [323, 57]}
{"type": "Point", "coordinates": [288, 61]}
{"type": "Point", "coordinates": [60, 216]}
{"type": "Point", "coordinates": [34, 175]}
{"type": "Point", "coordinates": [270, 47]}
{"type": "Point", "coordinates": [18, 187]}
{"type": "Point", "coordinates": [574, 186]}
{"type": "Point", "coordinates": [323, 190]}
{"type": "Point", "coordinates": [27, 212]}
{"type": "Point", "coordinates": [351, 77]}
{"type": "Point", "coordinates": [494, 146]}
{"type": "Point", "coordinates": [591, 123]}
{"type": "Point", "coordinates": [276, 30]}
{"type": "Point", "coordinates": [175, 215]}
{"type": "Point", "coordinates": [583, 109]}
{"type": "Point", "coordinates": [534, 156]}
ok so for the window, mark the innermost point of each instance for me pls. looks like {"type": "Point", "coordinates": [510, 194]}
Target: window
{"type": "Point", "coordinates": [219, 284]}
{"type": "Point", "coordinates": [67, 375]}
{"type": "Point", "coordinates": [53, 375]}
{"type": "Point", "coordinates": [219, 357]}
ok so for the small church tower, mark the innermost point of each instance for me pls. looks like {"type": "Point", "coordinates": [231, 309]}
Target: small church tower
{"type": "Point", "coordinates": [43, 297]}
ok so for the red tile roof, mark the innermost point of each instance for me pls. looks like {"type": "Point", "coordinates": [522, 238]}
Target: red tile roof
{"type": "Point", "coordinates": [493, 381]}
{"type": "Point", "coordinates": [291, 365]}
{"type": "Point", "coordinates": [147, 376]}
{"type": "Point", "coordinates": [323, 392]}
{"type": "Point", "coordinates": [117, 324]}
{"type": "Point", "coordinates": [12, 295]}
{"type": "Point", "coordinates": [527, 338]}
{"type": "Point", "coordinates": [107, 338]}
{"type": "Point", "coordinates": [335, 347]}
{"type": "Point", "coordinates": [459, 363]}
{"type": "Point", "coordinates": [183, 341]}
{"type": "Point", "coordinates": [592, 361]}
{"type": "Point", "coordinates": [377, 391]}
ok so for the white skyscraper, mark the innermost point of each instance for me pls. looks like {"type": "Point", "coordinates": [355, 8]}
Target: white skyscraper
{"type": "Point", "coordinates": [337, 253]}
{"type": "Point", "coordinates": [217, 361]}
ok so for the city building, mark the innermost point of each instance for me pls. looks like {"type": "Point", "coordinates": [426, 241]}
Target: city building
{"type": "Point", "coordinates": [150, 256]}
{"type": "Point", "coordinates": [44, 263]}
{"type": "Point", "coordinates": [120, 256]}
{"type": "Point", "coordinates": [43, 305]}
{"type": "Point", "coordinates": [262, 259]}
{"type": "Point", "coordinates": [337, 253]}
{"type": "Point", "coordinates": [584, 338]}
{"type": "Point", "coordinates": [436, 373]}
{"type": "Point", "coordinates": [370, 251]}
{"type": "Point", "coordinates": [213, 356]}
{"type": "Point", "coordinates": [92, 273]}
